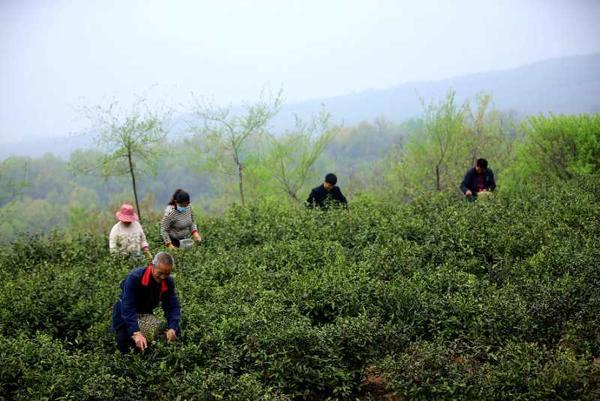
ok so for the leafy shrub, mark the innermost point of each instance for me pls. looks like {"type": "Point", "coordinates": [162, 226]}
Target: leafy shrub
{"type": "Point", "coordinates": [450, 300]}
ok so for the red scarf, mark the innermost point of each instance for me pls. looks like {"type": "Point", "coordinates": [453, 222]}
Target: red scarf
{"type": "Point", "coordinates": [146, 281]}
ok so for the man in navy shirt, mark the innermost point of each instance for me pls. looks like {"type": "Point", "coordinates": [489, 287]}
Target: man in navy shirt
{"type": "Point", "coordinates": [326, 194]}
{"type": "Point", "coordinates": [142, 290]}
{"type": "Point", "coordinates": [478, 179]}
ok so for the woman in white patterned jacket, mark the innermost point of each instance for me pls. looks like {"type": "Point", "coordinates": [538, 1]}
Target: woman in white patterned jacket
{"type": "Point", "coordinates": [127, 236]}
{"type": "Point", "coordinates": [178, 222]}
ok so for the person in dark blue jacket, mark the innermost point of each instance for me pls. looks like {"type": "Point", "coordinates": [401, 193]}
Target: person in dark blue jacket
{"type": "Point", "coordinates": [143, 290]}
{"type": "Point", "coordinates": [478, 179]}
{"type": "Point", "coordinates": [326, 194]}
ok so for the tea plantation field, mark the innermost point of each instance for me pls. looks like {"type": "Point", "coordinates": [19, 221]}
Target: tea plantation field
{"type": "Point", "coordinates": [434, 299]}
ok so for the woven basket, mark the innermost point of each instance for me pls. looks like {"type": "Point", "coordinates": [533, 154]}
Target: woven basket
{"type": "Point", "coordinates": [149, 326]}
{"type": "Point", "coordinates": [484, 196]}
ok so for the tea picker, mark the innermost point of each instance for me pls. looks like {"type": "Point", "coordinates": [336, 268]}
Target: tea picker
{"type": "Point", "coordinates": [143, 289]}
{"type": "Point", "coordinates": [127, 235]}
{"type": "Point", "coordinates": [327, 194]}
{"type": "Point", "coordinates": [178, 223]}
{"type": "Point", "coordinates": [478, 181]}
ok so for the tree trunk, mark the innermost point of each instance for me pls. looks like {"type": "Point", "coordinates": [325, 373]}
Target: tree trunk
{"type": "Point", "coordinates": [132, 172]}
{"type": "Point", "coordinates": [437, 177]}
{"type": "Point", "coordinates": [241, 180]}
{"type": "Point", "coordinates": [293, 195]}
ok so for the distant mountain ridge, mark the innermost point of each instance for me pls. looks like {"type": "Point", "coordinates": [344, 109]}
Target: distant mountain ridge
{"type": "Point", "coordinates": [563, 85]}
{"type": "Point", "coordinates": [569, 85]}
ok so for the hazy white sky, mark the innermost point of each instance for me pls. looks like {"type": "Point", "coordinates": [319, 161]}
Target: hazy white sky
{"type": "Point", "coordinates": [56, 55]}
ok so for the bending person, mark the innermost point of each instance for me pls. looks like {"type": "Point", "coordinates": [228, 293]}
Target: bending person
{"type": "Point", "coordinates": [178, 221]}
{"type": "Point", "coordinates": [141, 292]}
{"type": "Point", "coordinates": [326, 194]}
{"type": "Point", "coordinates": [477, 180]}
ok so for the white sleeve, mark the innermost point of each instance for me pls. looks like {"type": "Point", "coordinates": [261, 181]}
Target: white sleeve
{"type": "Point", "coordinates": [112, 238]}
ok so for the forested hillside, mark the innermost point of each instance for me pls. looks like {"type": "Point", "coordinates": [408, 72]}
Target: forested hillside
{"type": "Point", "coordinates": [422, 155]}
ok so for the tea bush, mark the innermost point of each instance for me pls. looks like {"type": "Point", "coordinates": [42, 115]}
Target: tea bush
{"type": "Point", "coordinates": [446, 299]}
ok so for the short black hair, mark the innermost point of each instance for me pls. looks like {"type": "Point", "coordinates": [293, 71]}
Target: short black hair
{"type": "Point", "coordinates": [180, 196]}
{"type": "Point", "coordinates": [331, 178]}
{"type": "Point", "coordinates": [481, 163]}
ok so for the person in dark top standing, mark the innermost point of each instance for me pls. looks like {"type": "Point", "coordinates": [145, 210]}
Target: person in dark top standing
{"type": "Point", "coordinates": [143, 290]}
{"type": "Point", "coordinates": [326, 194]}
{"type": "Point", "coordinates": [478, 179]}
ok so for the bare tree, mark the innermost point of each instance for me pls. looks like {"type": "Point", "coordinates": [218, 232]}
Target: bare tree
{"type": "Point", "coordinates": [443, 128]}
{"type": "Point", "coordinates": [488, 131]}
{"type": "Point", "coordinates": [477, 124]}
{"type": "Point", "coordinates": [227, 132]}
{"type": "Point", "coordinates": [294, 154]}
{"type": "Point", "coordinates": [130, 142]}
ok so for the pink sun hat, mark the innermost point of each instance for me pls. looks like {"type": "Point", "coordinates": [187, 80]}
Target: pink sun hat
{"type": "Point", "coordinates": [127, 214]}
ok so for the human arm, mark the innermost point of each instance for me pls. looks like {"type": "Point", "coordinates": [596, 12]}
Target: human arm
{"type": "Point", "coordinates": [165, 225]}
{"type": "Point", "coordinates": [195, 233]}
{"type": "Point", "coordinates": [171, 335]}
{"type": "Point", "coordinates": [128, 312]}
{"type": "Point", "coordinates": [140, 341]}
{"type": "Point", "coordinates": [340, 197]}
{"type": "Point", "coordinates": [112, 239]}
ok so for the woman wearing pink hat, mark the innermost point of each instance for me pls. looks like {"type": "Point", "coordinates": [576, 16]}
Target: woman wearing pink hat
{"type": "Point", "coordinates": [127, 236]}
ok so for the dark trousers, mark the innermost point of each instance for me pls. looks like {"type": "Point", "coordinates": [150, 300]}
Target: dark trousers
{"type": "Point", "coordinates": [174, 241]}
{"type": "Point", "coordinates": [124, 340]}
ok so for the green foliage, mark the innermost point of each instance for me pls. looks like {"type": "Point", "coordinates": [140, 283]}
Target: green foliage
{"type": "Point", "coordinates": [556, 148]}
{"type": "Point", "coordinates": [135, 134]}
{"type": "Point", "coordinates": [26, 216]}
{"type": "Point", "coordinates": [131, 143]}
{"type": "Point", "coordinates": [446, 142]}
{"type": "Point", "coordinates": [358, 153]}
{"type": "Point", "coordinates": [436, 147]}
{"type": "Point", "coordinates": [227, 134]}
{"type": "Point", "coordinates": [447, 299]}
{"type": "Point", "coordinates": [515, 371]}
{"type": "Point", "coordinates": [292, 156]}
{"type": "Point", "coordinates": [14, 173]}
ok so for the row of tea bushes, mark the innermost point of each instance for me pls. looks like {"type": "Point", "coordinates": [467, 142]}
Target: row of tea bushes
{"type": "Point", "coordinates": [444, 299]}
